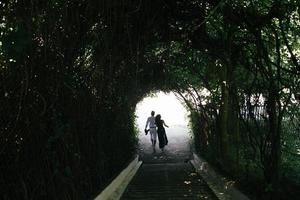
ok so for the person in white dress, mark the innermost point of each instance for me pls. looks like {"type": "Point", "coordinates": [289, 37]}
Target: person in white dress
{"type": "Point", "coordinates": [152, 129]}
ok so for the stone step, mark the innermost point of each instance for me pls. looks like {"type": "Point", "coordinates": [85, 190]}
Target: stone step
{"type": "Point", "coordinates": [167, 181]}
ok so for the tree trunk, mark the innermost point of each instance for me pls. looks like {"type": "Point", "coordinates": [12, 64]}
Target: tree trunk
{"type": "Point", "coordinates": [223, 124]}
{"type": "Point", "coordinates": [273, 150]}
{"type": "Point", "coordinates": [233, 130]}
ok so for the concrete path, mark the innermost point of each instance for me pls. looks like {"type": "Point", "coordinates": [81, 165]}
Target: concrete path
{"type": "Point", "coordinates": [168, 175]}
{"type": "Point", "coordinates": [177, 150]}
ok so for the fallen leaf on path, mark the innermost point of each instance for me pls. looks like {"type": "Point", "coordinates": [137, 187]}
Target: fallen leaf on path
{"type": "Point", "coordinates": [187, 182]}
{"type": "Point", "coordinates": [193, 174]}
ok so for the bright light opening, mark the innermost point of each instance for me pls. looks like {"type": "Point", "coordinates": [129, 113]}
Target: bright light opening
{"type": "Point", "coordinates": [175, 116]}
{"type": "Point", "coordinates": [165, 104]}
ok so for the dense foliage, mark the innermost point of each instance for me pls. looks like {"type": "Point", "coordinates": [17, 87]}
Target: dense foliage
{"type": "Point", "coordinates": [73, 71]}
{"type": "Point", "coordinates": [238, 72]}
{"type": "Point", "coordinates": [68, 93]}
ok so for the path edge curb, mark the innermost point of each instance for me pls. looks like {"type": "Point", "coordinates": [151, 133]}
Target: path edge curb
{"type": "Point", "coordinates": [116, 188]}
{"type": "Point", "coordinates": [221, 186]}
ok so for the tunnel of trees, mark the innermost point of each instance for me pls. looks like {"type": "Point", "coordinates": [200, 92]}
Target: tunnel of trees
{"type": "Point", "coordinates": [72, 73]}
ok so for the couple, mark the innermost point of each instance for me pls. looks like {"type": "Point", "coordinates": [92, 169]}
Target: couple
{"type": "Point", "coordinates": [157, 122]}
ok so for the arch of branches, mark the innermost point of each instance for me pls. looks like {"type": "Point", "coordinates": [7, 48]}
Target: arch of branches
{"type": "Point", "coordinates": [73, 71]}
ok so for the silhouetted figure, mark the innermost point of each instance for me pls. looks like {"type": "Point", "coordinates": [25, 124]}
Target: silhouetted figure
{"type": "Point", "coordinates": [162, 137]}
{"type": "Point", "coordinates": [152, 129]}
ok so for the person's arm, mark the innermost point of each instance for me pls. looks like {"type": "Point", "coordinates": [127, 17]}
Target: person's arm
{"type": "Point", "coordinates": [147, 123]}
{"type": "Point", "coordinates": [165, 124]}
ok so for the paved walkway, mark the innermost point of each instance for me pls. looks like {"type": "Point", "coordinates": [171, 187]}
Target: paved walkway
{"type": "Point", "coordinates": [169, 175]}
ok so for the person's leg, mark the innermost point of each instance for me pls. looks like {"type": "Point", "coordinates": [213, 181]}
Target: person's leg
{"type": "Point", "coordinates": [153, 136]}
{"type": "Point", "coordinates": [166, 139]}
{"type": "Point", "coordinates": [153, 143]}
{"type": "Point", "coordinates": [152, 140]}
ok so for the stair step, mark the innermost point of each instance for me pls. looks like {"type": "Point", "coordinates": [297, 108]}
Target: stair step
{"type": "Point", "coordinates": [167, 181]}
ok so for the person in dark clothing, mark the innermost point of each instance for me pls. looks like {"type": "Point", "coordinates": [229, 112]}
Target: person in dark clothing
{"type": "Point", "coordinates": [162, 137]}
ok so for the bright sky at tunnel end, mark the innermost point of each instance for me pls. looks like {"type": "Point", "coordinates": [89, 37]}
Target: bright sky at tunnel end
{"type": "Point", "coordinates": [165, 104]}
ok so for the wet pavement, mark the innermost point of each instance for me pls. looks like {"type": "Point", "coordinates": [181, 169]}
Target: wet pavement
{"type": "Point", "coordinates": [167, 175]}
